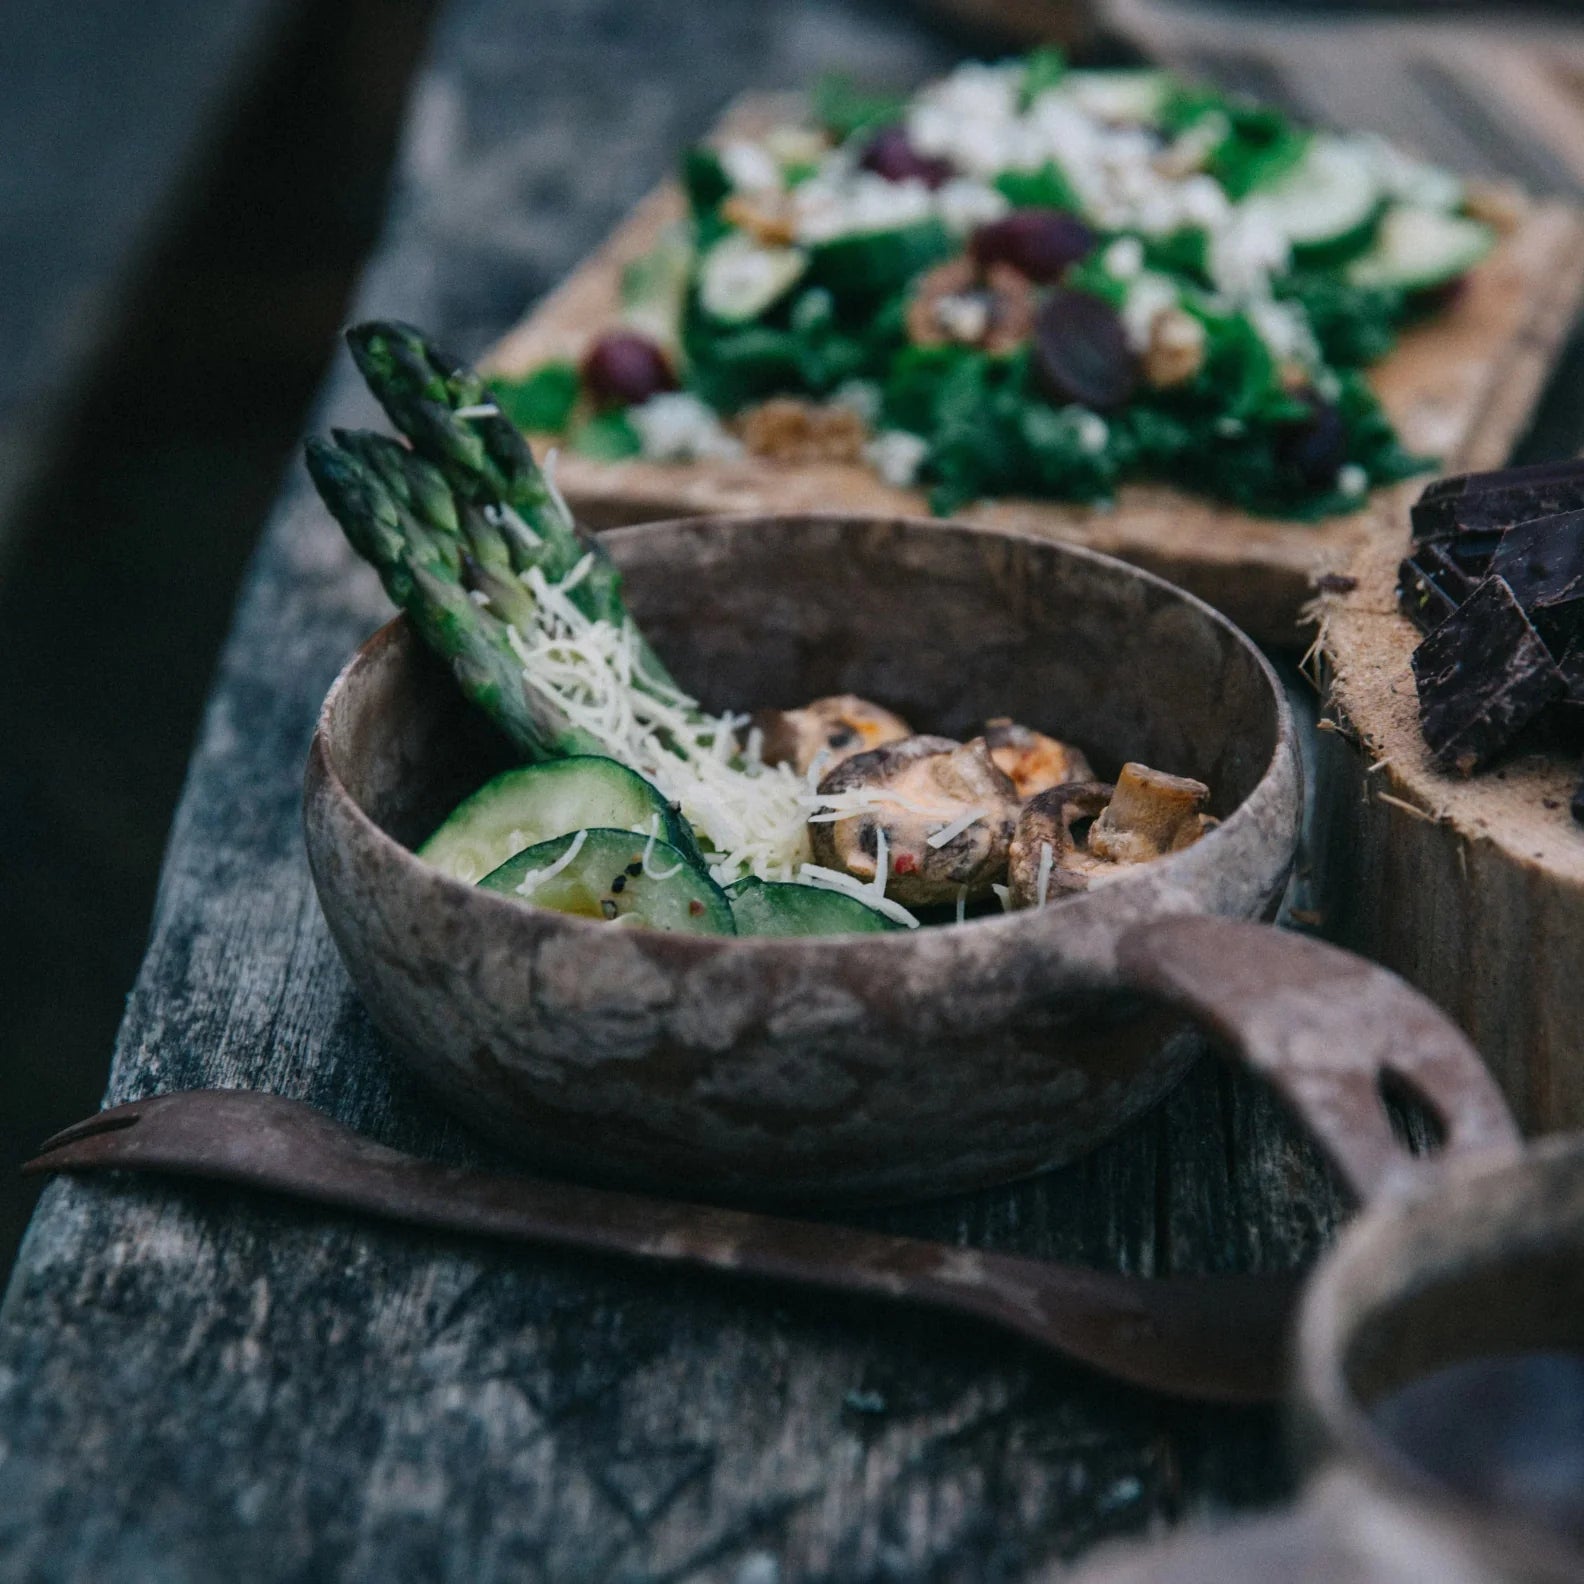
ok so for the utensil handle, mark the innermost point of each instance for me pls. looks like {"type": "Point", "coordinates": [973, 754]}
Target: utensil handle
{"type": "Point", "coordinates": [1334, 1035]}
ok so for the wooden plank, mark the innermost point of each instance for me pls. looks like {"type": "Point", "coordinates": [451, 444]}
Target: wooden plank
{"type": "Point", "coordinates": [1451, 386]}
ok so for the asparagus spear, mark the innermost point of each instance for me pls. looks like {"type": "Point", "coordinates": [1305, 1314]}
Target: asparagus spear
{"type": "Point", "coordinates": [449, 414]}
{"type": "Point", "coordinates": [387, 502]}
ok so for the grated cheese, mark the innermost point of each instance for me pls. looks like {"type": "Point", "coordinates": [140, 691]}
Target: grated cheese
{"type": "Point", "coordinates": [1042, 885]}
{"type": "Point", "coordinates": [537, 877]}
{"type": "Point", "coordinates": [751, 816]}
{"type": "Point", "coordinates": [835, 880]}
{"type": "Point", "coordinates": [479, 410]}
{"type": "Point", "coordinates": [948, 833]}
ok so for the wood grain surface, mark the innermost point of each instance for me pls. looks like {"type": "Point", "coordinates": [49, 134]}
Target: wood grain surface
{"type": "Point", "coordinates": [1461, 384]}
{"type": "Point", "coordinates": [197, 1386]}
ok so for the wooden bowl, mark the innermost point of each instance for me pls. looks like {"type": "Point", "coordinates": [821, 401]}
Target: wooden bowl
{"type": "Point", "coordinates": [882, 1067]}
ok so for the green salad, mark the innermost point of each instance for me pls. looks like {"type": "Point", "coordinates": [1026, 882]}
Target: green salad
{"type": "Point", "coordinates": [1028, 279]}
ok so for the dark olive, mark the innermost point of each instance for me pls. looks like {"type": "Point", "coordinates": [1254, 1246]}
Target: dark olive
{"type": "Point", "coordinates": [889, 154]}
{"type": "Point", "coordinates": [622, 368]}
{"type": "Point", "coordinates": [1038, 243]}
{"type": "Point", "coordinates": [1313, 448]}
{"type": "Point", "coordinates": [1081, 353]}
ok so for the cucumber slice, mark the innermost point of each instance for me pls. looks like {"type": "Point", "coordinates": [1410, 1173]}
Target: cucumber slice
{"type": "Point", "coordinates": [523, 808]}
{"type": "Point", "coordinates": [773, 907]}
{"type": "Point", "coordinates": [1129, 94]}
{"type": "Point", "coordinates": [1328, 203]}
{"type": "Point", "coordinates": [601, 874]}
{"type": "Point", "coordinates": [1420, 248]}
{"type": "Point", "coordinates": [875, 263]}
{"type": "Point", "coordinates": [739, 279]}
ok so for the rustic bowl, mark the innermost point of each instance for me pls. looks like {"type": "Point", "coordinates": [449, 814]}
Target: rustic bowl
{"type": "Point", "coordinates": [878, 1067]}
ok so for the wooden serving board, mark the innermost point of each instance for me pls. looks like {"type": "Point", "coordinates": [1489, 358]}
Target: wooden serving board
{"type": "Point", "coordinates": [1460, 386]}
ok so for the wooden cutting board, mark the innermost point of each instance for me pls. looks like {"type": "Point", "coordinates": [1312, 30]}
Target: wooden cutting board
{"type": "Point", "coordinates": [1462, 386]}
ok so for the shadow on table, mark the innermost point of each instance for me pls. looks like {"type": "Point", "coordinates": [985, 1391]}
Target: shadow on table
{"type": "Point", "coordinates": [126, 556]}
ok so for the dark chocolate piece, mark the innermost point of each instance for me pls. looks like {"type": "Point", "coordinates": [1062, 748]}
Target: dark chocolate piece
{"type": "Point", "coordinates": [1482, 676]}
{"type": "Point", "coordinates": [1490, 507]}
{"type": "Point", "coordinates": [1500, 478]}
{"type": "Point", "coordinates": [1543, 563]}
{"type": "Point", "coordinates": [1431, 585]}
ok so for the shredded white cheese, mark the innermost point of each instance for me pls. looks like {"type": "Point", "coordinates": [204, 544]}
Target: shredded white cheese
{"type": "Point", "coordinates": [949, 833]}
{"type": "Point", "coordinates": [537, 877]}
{"type": "Point", "coordinates": [1042, 884]}
{"type": "Point", "coordinates": [479, 410]}
{"type": "Point", "coordinates": [836, 880]}
{"type": "Point", "coordinates": [751, 816]}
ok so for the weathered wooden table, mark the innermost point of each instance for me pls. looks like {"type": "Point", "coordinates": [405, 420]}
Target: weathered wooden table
{"type": "Point", "coordinates": [196, 1385]}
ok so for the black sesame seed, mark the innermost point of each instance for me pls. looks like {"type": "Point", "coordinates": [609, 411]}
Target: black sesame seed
{"type": "Point", "coordinates": [635, 869]}
{"type": "Point", "coordinates": [608, 908]}
{"type": "Point", "coordinates": [619, 883]}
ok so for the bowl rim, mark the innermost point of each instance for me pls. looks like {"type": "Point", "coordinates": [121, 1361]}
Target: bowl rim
{"type": "Point", "coordinates": [1026, 923]}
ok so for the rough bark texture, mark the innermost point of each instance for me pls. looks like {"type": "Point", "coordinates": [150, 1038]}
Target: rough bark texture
{"type": "Point", "coordinates": [195, 1385]}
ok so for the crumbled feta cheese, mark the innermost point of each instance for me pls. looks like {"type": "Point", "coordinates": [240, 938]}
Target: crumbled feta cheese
{"type": "Point", "coordinates": [749, 167]}
{"type": "Point", "coordinates": [795, 145]}
{"type": "Point", "coordinates": [1246, 252]}
{"type": "Point", "coordinates": [964, 316]}
{"type": "Point", "coordinates": [834, 204]}
{"type": "Point", "coordinates": [1352, 480]}
{"type": "Point", "coordinates": [1124, 258]}
{"type": "Point", "coordinates": [1284, 329]}
{"type": "Point", "coordinates": [1148, 297]}
{"type": "Point", "coordinates": [676, 426]}
{"type": "Point", "coordinates": [896, 456]}
{"type": "Point", "coordinates": [1092, 430]}
{"type": "Point", "coordinates": [963, 204]}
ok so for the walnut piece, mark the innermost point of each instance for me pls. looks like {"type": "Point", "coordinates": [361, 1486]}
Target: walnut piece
{"type": "Point", "coordinates": [785, 429]}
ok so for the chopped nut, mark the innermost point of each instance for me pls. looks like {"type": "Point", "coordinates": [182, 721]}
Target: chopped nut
{"type": "Point", "coordinates": [1176, 350]}
{"type": "Point", "coordinates": [958, 304]}
{"type": "Point", "coordinates": [837, 728]}
{"type": "Point", "coordinates": [788, 430]}
{"type": "Point", "coordinates": [766, 216]}
{"type": "Point", "coordinates": [914, 792]}
{"type": "Point", "coordinates": [1034, 761]}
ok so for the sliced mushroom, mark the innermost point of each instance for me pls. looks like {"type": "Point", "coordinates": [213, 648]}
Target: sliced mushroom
{"type": "Point", "coordinates": [1073, 837]}
{"type": "Point", "coordinates": [1048, 856]}
{"type": "Point", "coordinates": [1152, 814]}
{"type": "Point", "coordinates": [913, 792]}
{"type": "Point", "coordinates": [1034, 761]}
{"type": "Point", "coordinates": [837, 727]}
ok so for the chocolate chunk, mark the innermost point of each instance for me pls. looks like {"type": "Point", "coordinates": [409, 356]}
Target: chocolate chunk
{"type": "Point", "coordinates": [1543, 563]}
{"type": "Point", "coordinates": [1487, 503]}
{"type": "Point", "coordinates": [1431, 585]}
{"type": "Point", "coordinates": [1482, 676]}
{"type": "Point", "coordinates": [1501, 478]}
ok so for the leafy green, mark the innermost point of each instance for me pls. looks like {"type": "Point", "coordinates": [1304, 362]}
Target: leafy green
{"type": "Point", "coordinates": [1354, 325]}
{"type": "Point", "coordinates": [607, 437]}
{"type": "Point", "coordinates": [704, 180]}
{"type": "Point", "coordinates": [845, 109]}
{"type": "Point", "coordinates": [1044, 69]}
{"type": "Point", "coordinates": [541, 401]}
{"type": "Point", "coordinates": [1045, 188]}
